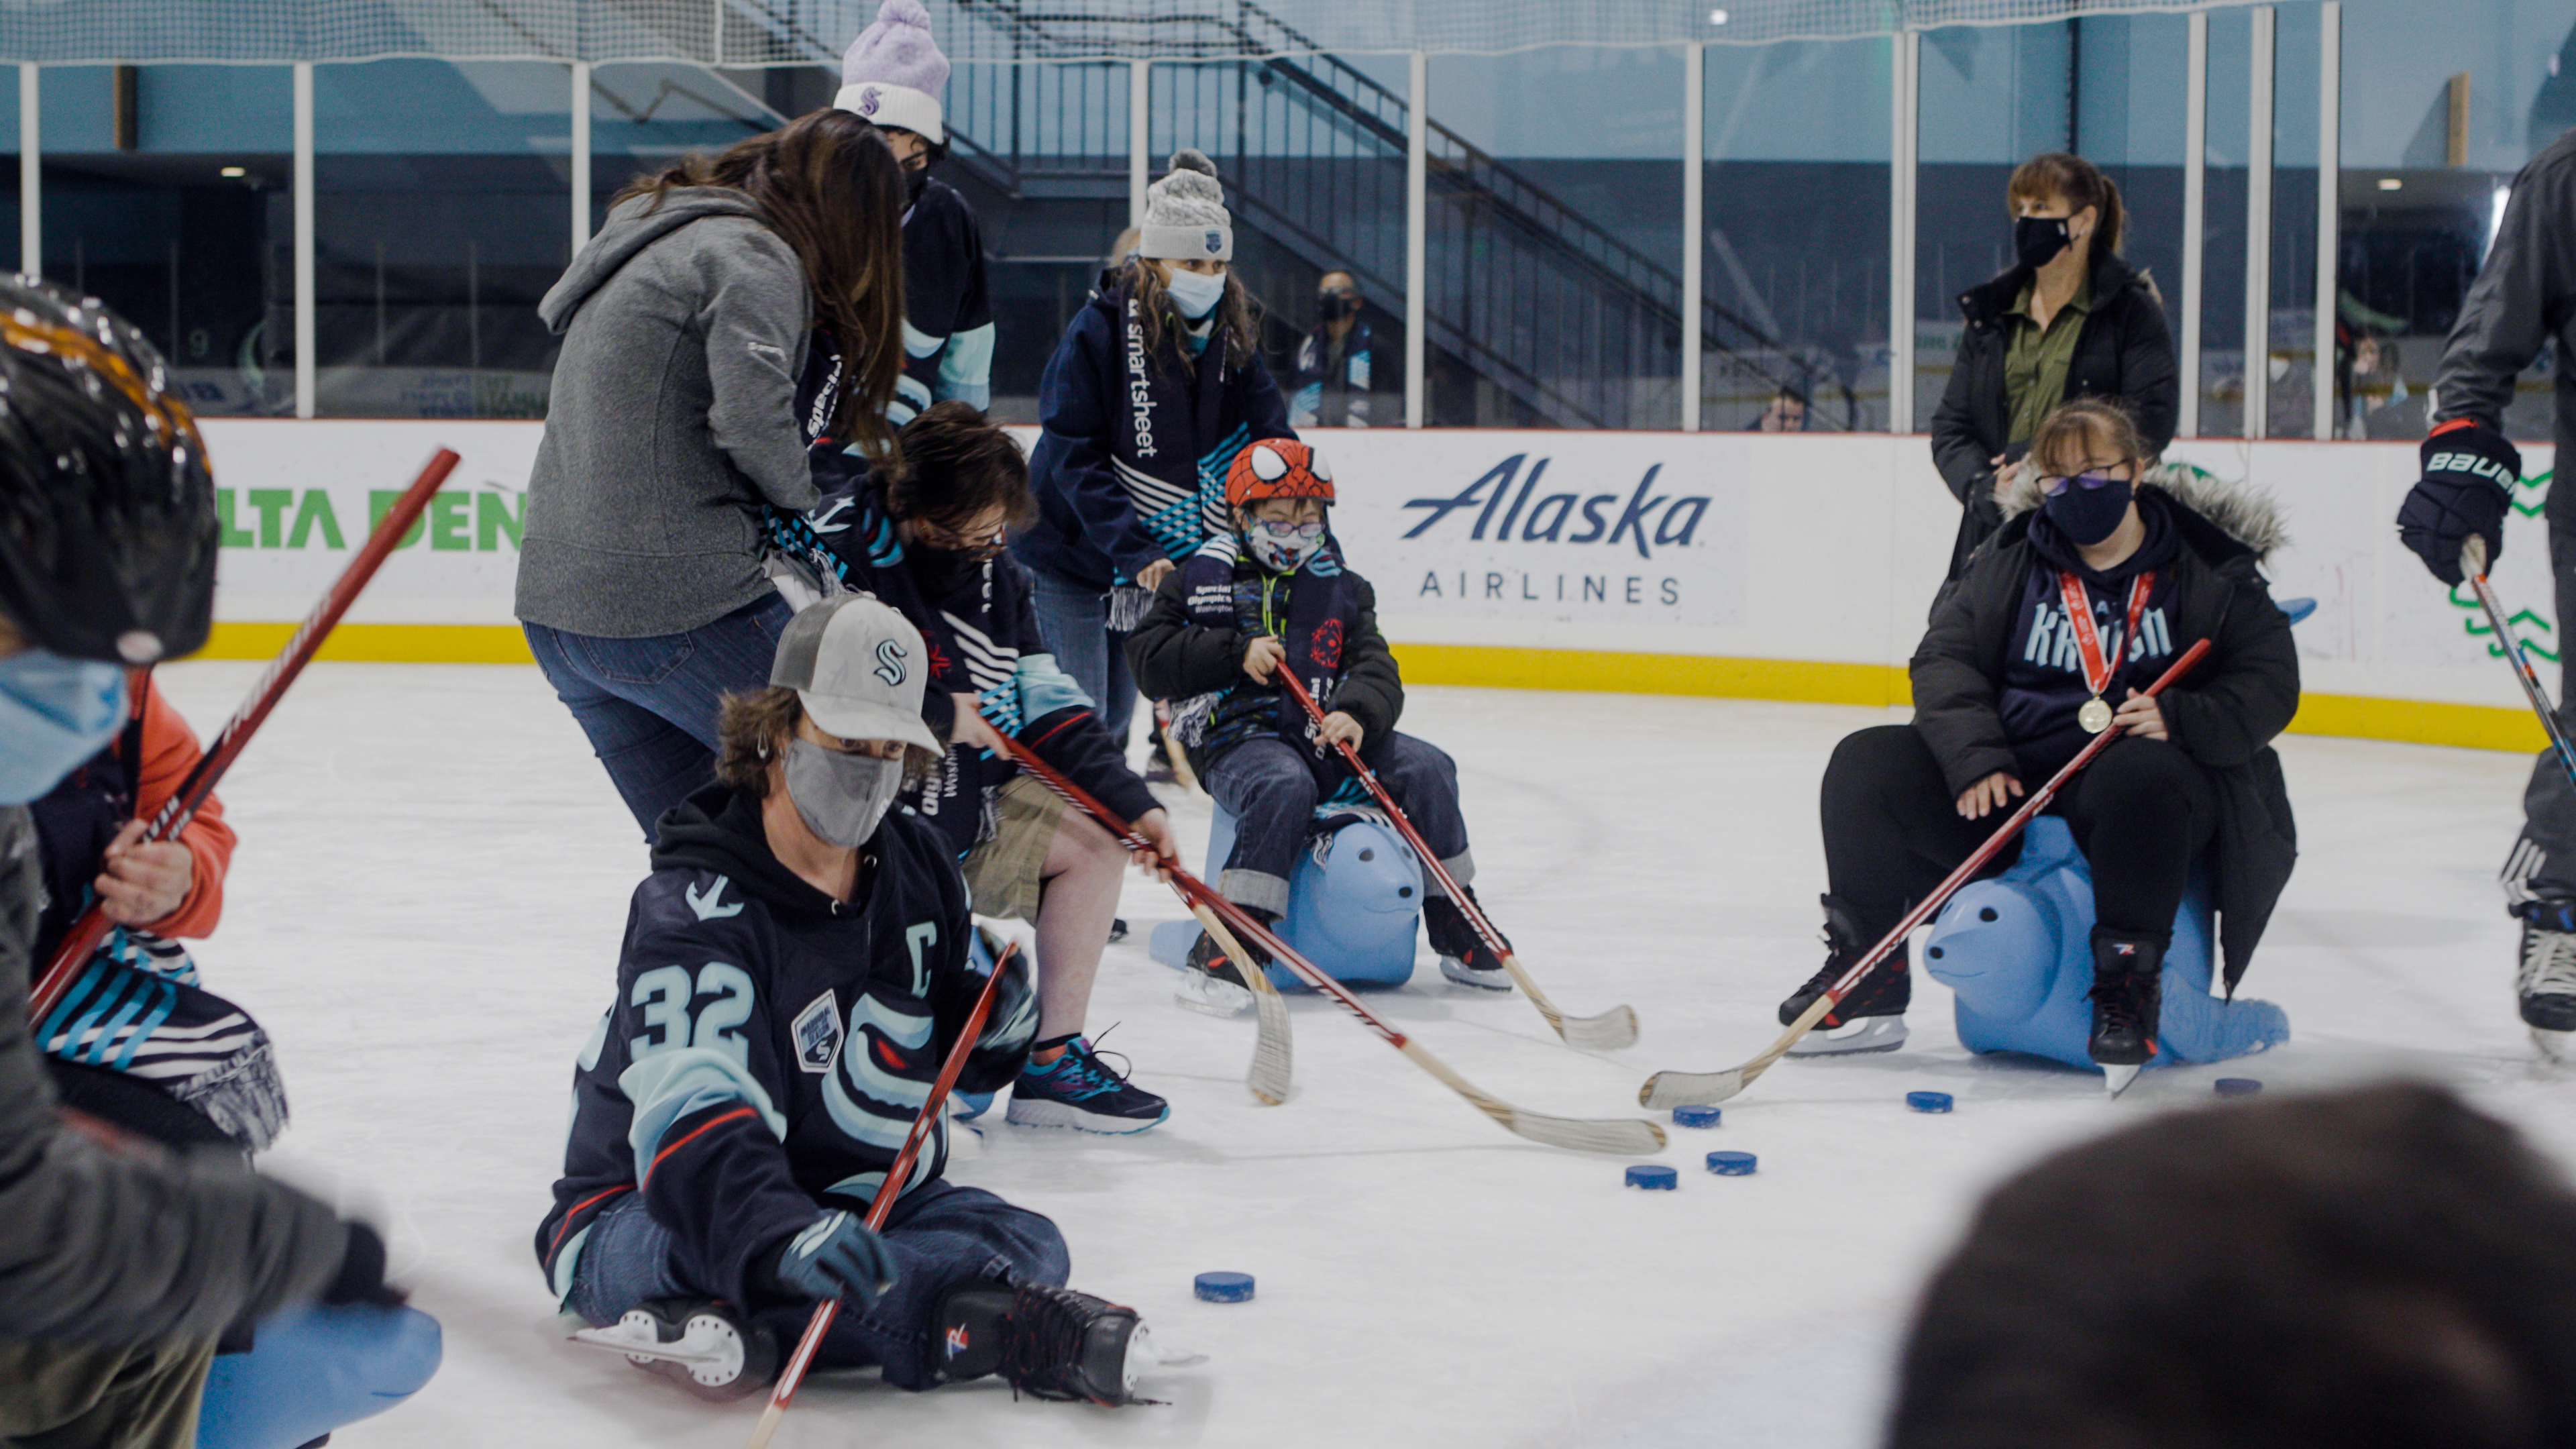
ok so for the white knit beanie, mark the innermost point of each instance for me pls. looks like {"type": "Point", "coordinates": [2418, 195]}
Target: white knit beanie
{"type": "Point", "coordinates": [893, 72]}
{"type": "Point", "coordinates": [1185, 215]}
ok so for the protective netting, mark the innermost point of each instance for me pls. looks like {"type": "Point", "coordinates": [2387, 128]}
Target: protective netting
{"type": "Point", "coordinates": [801, 32]}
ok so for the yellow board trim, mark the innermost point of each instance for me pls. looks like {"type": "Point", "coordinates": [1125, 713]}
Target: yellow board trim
{"type": "Point", "coordinates": [2471, 726]}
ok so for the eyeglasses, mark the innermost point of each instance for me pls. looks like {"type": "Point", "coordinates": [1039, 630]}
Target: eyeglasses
{"type": "Point", "coordinates": [1290, 530]}
{"type": "Point", "coordinates": [975, 550]}
{"type": "Point", "coordinates": [2088, 480]}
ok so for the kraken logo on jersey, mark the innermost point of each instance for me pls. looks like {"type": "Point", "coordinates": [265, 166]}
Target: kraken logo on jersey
{"type": "Point", "coordinates": [817, 1033]}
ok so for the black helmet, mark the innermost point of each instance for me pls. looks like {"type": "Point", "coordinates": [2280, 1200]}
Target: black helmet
{"type": "Point", "coordinates": [107, 507]}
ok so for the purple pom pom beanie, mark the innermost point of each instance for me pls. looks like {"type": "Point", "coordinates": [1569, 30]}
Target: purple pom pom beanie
{"type": "Point", "coordinates": [893, 72]}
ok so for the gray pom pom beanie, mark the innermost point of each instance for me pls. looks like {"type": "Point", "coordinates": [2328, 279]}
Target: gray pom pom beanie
{"type": "Point", "coordinates": [894, 72]}
{"type": "Point", "coordinates": [1185, 215]}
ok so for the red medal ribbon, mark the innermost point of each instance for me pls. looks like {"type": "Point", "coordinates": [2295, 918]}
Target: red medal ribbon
{"type": "Point", "coordinates": [2088, 642]}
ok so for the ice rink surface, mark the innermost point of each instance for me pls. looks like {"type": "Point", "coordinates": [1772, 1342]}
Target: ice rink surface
{"type": "Point", "coordinates": [425, 913]}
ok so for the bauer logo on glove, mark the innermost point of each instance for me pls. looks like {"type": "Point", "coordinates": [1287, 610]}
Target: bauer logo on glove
{"type": "Point", "coordinates": [2469, 475]}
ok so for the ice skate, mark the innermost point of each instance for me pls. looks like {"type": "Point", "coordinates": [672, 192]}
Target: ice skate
{"type": "Point", "coordinates": [703, 1347]}
{"type": "Point", "coordinates": [1050, 1343]}
{"type": "Point", "coordinates": [1464, 957]}
{"type": "Point", "coordinates": [1210, 984]}
{"type": "Point", "coordinates": [1872, 1017]}
{"type": "Point", "coordinates": [2546, 984]}
{"type": "Point", "coordinates": [2128, 991]}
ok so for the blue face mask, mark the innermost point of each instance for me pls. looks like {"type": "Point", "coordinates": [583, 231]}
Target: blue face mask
{"type": "Point", "coordinates": [1195, 293]}
{"type": "Point", "coordinates": [54, 714]}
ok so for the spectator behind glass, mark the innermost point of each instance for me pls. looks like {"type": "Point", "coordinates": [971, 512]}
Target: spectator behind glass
{"type": "Point", "coordinates": [2069, 319]}
{"type": "Point", "coordinates": [2378, 1266]}
{"type": "Point", "coordinates": [1337, 361]}
{"type": "Point", "coordinates": [1787, 413]}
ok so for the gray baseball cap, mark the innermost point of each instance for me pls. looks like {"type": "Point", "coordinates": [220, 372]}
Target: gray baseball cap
{"type": "Point", "coordinates": [860, 669]}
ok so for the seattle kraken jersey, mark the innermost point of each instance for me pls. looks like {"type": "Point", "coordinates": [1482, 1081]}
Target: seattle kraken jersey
{"type": "Point", "coordinates": [768, 1048]}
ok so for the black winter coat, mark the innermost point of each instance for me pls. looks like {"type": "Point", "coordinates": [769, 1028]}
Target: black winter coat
{"type": "Point", "coordinates": [2124, 351]}
{"type": "Point", "coordinates": [2223, 714]}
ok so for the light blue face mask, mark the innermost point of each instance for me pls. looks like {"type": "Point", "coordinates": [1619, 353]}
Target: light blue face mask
{"type": "Point", "coordinates": [54, 714]}
{"type": "Point", "coordinates": [1195, 293]}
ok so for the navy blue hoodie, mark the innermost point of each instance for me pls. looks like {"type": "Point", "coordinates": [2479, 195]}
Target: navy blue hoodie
{"type": "Point", "coordinates": [768, 1047]}
{"type": "Point", "coordinates": [1130, 463]}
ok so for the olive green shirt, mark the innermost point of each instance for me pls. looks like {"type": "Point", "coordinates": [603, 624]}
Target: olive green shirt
{"type": "Point", "coordinates": [2036, 359]}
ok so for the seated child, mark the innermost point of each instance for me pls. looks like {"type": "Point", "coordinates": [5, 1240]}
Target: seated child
{"type": "Point", "coordinates": [794, 973]}
{"type": "Point", "coordinates": [1271, 594]}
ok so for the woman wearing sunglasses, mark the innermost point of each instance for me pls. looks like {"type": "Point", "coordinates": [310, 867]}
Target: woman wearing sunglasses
{"type": "Point", "coordinates": [2104, 570]}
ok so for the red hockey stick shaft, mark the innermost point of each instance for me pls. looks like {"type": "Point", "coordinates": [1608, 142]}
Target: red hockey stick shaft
{"type": "Point", "coordinates": [182, 806]}
{"type": "Point", "coordinates": [2473, 562]}
{"type": "Point", "coordinates": [1894, 940]}
{"type": "Point", "coordinates": [883, 1204]}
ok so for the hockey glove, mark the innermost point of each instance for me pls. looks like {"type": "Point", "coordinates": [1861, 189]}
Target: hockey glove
{"type": "Point", "coordinates": [2469, 475]}
{"type": "Point", "coordinates": [838, 1257]}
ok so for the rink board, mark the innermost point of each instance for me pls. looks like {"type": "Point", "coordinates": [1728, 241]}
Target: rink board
{"type": "Point", "coordinates": [1752, 565]}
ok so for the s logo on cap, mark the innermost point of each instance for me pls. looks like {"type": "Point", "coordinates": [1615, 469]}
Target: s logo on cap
{"type": "Point", "coordinates": [868, 100]}
{"type": "Point", "coordinates": [890, 658]}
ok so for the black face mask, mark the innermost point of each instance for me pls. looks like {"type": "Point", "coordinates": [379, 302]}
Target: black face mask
{"type": "Point", "coordinates": [2038, 239]}
{"type": "Point", "coordinates": [2088, 515]}
{"type": "Point", "coordinates": [1337, 305]}
{"type": "Point", "coordinates": [941, 571]}
{"type": "Point", "coordinates": [914, 181]}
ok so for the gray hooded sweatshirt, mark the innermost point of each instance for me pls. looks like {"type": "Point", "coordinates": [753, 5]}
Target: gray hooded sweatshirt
{"type": "Point", "coordinates": [673, 419]}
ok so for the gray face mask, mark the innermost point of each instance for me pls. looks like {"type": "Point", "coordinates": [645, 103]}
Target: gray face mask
{"type": "Point", "coordinates": [841, 797]}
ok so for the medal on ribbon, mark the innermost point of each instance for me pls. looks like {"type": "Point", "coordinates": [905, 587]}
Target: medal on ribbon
{"type": "Point", "coordinates": [2094, 715]}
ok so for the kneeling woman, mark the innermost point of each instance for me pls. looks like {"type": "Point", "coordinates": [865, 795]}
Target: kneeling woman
{"type": "Point", "coordinates": [2107, 570]}
{"type": "Point", "coordinates": [796, 968]}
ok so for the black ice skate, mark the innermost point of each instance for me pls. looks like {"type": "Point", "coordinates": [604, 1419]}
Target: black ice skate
{"type": "Point", "coordinates": [1048, 1342]}
{"type": "Point", "coordinates": [1464, 956]}
{"type": "Point", "coordinates": [703, 1347]}
{"type": "Point", "coordinates": [2128, 997]}
{"type": "Point", "coordinates": [1211, 983]}
{"type": "Point", "coordinates": [2547, 981]}
{"type": "Point", "coordinates": [1872, 1017]}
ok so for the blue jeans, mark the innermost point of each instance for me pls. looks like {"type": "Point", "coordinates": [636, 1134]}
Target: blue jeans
{"type": "Point", "coordinates": [649, 705]}
{"type": "Point", "coordinates": [1273, 795]}
{"type": "Point", "coordinates": [1073, 619]}
{"type": "Point", "coordinates": [943, 1237]}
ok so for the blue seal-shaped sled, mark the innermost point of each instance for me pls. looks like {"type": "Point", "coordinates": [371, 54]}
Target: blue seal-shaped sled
{"type": "Point", "coordinates": [2017, 952]}
{"type": "Point", "coordinates": [1353, 900]}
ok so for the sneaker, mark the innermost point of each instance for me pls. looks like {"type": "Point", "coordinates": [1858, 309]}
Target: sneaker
{"type": "Point", "coordinates": [2128, 998]}
{"type": "Point", "coordinates": [1079, 1090]}
{"type": "Point", "coordinates": [2547, 982]}
{"type": "Point", "coordinates": [1048, 1342]}
{"type": "Point", "coordinates": [703, 1347]}
{"type": "Point", "coordinates": [1464, 956]}
{"type": "Point", "coordinates": [1872, 1017]}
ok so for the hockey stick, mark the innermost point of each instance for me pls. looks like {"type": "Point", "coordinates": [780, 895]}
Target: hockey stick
{"type": "Point", "coordinates": [2473, 562]}
{"type": "Point", "coordinates": [1609, 1031]}
{"type": "Point", "coordinates": [882, 1205]}
{"type": "Point", "coordinates": [1582, 1134]}
{"type": "Point", "coordinates": [182, 806]}
{"type": "Point", "coordinates": [1678, 1089]}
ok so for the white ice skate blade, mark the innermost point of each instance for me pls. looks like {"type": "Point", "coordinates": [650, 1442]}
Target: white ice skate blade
{"type": "Point", "coordinates": [1461, 974]}
{"type": "Point", "coordinates": [1209, 996]}
{"type": "Point", "coordinates": [637, 1342]}
{"type": "Point", "coordinates": [1868, 1034]}
{"type": "Point", "coordinates": [1146, 1353]}
{"type": "Point", "coordinates": [2116, 1080]}
{"type": "Point", "coordinates": [2558, 1046]}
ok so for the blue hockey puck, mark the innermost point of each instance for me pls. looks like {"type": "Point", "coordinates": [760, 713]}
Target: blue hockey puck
{"type": "Point", "coordinates": [1928, 1101]}
{"type": "Point", "coordinates": [1223, 1287]}
{"type": "Point", "coordinates": [1652, 1177]}
{"type": "Point", "coordinates": [1695, 1116]}
{"type": "Point", "coordinates": [2238, 1086]}
{"type": "Point", "coordinates": [1731, 1164]}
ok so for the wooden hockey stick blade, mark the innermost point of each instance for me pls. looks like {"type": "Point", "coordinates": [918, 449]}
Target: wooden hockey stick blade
{"type": "Point", "coordinates": [1707, 1089]}
{"type": "Point", "coordinates": [1607, 1032]}
{"type": "Point", "coordinates": [1626, 1135]}
{"type": "Point", "coordinates": [1273, 1046]}
{"type": "Point", "coordinates": [1182, 774]}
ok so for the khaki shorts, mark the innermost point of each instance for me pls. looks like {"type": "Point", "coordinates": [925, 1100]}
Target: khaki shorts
{"type": "Point", "coordinates": [1002, 871]}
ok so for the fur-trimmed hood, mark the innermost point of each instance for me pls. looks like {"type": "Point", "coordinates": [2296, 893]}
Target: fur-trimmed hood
{"type": "Point", "coordinates": [2244, 513]}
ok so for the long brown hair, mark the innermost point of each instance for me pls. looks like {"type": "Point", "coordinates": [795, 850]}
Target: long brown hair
{"type": "Point", "coordinates": [2061, 176]}
{"type": "Point", "coordinates": [1238, 317]}
{"type": "Point", "coordinates": [827, 184]}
